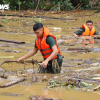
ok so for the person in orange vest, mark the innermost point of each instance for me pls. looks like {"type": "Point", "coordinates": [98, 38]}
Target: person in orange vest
{"type": "Point", "coordinates": [87, 31]}
{"type": "Point", "coordinates": [47, 45]}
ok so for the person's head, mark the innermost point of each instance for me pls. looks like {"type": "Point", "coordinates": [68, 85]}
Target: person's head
{"type": "Point", "coordinates": [38, 29]}
{"type": "Point", "coordinates": [89, 24]}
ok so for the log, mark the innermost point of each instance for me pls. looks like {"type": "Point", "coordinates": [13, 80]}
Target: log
{"type": "Point", "coordinates": [12, 41]}
{"type": "Point", "coordinates": [44, 17]}
{"type": "Point", "coordinates": [77, 49]}
{"type": "Point", "coordinates": [27, 61]}
{"type": "Point", "coordinates": [12, 83]}
{"type": "Point", "coordinates": [32, 97]}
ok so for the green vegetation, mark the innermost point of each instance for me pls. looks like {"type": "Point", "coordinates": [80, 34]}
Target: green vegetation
{"type": "Point", "coordinates": [54, 5]}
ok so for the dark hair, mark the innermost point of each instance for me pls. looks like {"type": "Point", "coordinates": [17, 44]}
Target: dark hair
{"type": "Point", "coordinates": [89, 21]}
{"type": "Point", "coordinates": [37, 26]}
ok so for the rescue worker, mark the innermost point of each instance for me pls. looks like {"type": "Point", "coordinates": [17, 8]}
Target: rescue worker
{"type": "Point", "coordinates": [47, 44]}
{"type": "Point", "coordinates": [87, 31]}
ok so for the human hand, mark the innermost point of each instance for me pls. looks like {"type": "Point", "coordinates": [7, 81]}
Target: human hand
{"type": "Point", "coordinates": [20, 59]}
{"type": "Point", "coordinates": [44, 64]}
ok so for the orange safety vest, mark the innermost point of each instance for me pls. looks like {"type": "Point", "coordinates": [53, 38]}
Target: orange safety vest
{"type": "Point", "coordinates": [43, 46]}
{"type": "Point", "coordinates": [88, 32]}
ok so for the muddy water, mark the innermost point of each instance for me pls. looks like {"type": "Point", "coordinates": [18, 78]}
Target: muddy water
{"type": "Point", "coordinates": [20, 29]}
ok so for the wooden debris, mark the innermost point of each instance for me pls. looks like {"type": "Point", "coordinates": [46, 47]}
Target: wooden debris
{"type": "Point", "coordinates": [12, 83]}
{"type": "Point", "coordinates": [34, 78]}
{"type": "Point", "coordinates": [79, 49]}
{"type": "Point", "coordinates": [12, 41]}
{"type": "Point", "coordinates": [97, 88]}
{"type": "Point", "coordinates": [97, 27]}
{"type": "Point", "coordinates": [64, 65]}
{"type": "Point", "coordinates": [32, 97]}
{"type": "Point", "coordinates": [11, 94]}
{"type": "Point", "coordinates": [96, 36]}
{"type": "Point", "coordinates": [43, 17]}
{"type": "Point", "coordinates": [74, 28]}
{"type": "Point", "coordinates": [1, 25]}
{"type": "Point", "coordinates": [68, 41]}
{"type": "Point", "coordinates": [27, 61]}
{"type": "Point", "coordinates": [3, 76]}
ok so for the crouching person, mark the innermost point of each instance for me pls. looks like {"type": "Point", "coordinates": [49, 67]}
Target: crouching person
{"type": "Point", "coordinates": [47, 45]}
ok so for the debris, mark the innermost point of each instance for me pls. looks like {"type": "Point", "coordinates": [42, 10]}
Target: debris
{"type": "Point", "coordinates": [45, 79]}
{"type": "Point", "coordinates": [6, 56]}
{"type": "Point", "coordinates": [96, 78]}
{"type": "Point", "coordinates": [34, 78]}
{"type": "Point", "coordinates": [1, 25]}
{"type": "Point", "coordinates": [97, 27]}
{"type": "Point", "coordinates": [68, 41]}
{"type": "Point", "coordinates": [12, 83]}
{"type": "Point", "coordinates": [3, 76]}
{"type": "Point", "coordinates": [97, 88]}
{"type": "Point", "coordinates": [12, 41]}
{"type": "Point", "coordinates": [55, 29]}
{"type": "Point", "coordinates": [44, 17]}
{"type": "Point", "coordinates": [27, 61]}
{"type": "Point", "coordinates": [84, 84]}
{"type": "Point", "coordinates": [74, 28]}
{"type": "Point", "coordinates": [95, 64]}
{"type": "Point", "coordinates": [32, 97]}
{"type": "Point", "coordinates": [79, 49]}
{"type": "Point", "coordinates": [88, 61]}
{"type": "Point", "coordinates": [11, 94]}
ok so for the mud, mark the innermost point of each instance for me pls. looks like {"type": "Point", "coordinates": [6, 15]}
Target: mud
{"type": "Point", "coordinates": [80, 65]}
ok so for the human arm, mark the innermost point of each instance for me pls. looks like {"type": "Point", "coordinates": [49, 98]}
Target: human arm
{"type": "Point", "coordinates": [75, 35]}
{"type": "Point", "coordinates": [97, 33]}
{"type": "Point", "coordinates": [51, 42]}
{"type": "Point", "coordinates": [79, 32]}
{"type": "Point", "coordinates": [31, 53]}
{"type": "Point", "coordinates": [53, 54]}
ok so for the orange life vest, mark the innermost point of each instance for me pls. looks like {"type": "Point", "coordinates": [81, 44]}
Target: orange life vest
{"type": "Point", "coordinates": [43, 46]}
{"type": "Point", "coordinates": [87, 30]}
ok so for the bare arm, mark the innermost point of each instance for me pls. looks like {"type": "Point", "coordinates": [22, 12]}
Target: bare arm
{"type": "Point", "coordinates": [31, 53]}
{"type": "Point", "coordinates": [75, 35]}
{"type": "Point", "coordinates": [53, 54]}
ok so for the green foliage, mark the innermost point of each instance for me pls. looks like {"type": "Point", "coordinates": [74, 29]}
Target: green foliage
{"type": "Point", "coordinates": [56, 5]}
{"type": "Point", "coordinates": [85, 4]}
{"type": "Point", "coordinates": [65, 5]}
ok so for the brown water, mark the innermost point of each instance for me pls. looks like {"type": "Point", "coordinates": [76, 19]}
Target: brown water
{"type": "Point", "coordinates": [20, 29]}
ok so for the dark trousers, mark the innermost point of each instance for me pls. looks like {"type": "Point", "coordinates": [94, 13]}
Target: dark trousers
{"type": "Point", "coordinates": [50, 68]}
